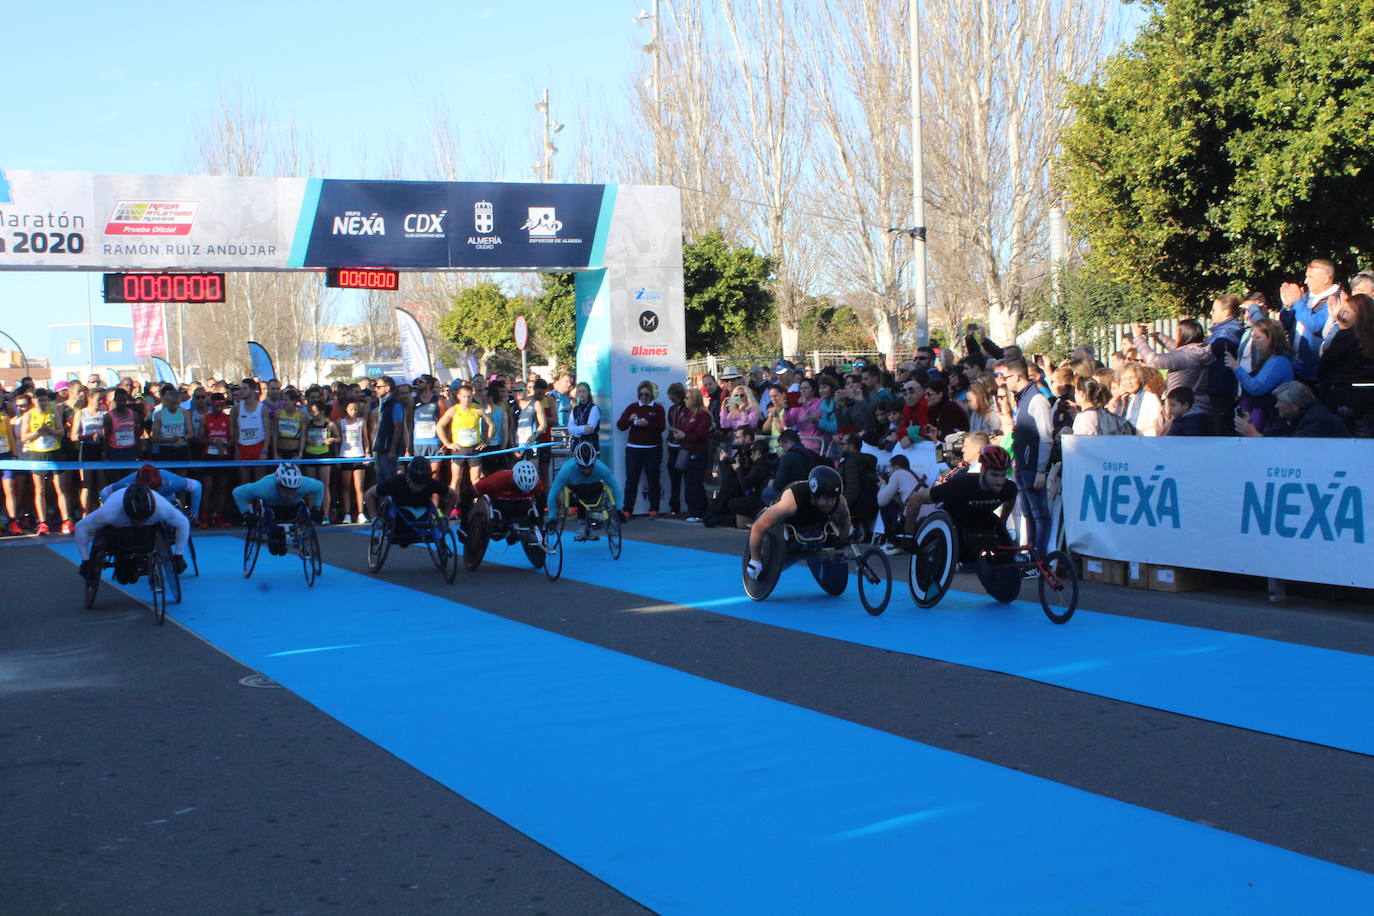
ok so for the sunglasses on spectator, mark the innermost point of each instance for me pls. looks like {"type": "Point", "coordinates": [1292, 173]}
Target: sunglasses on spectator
{"type": "Point", "coordinates": [910, 390]}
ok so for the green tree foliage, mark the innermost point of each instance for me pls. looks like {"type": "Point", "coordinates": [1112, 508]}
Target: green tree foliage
{"type": "Point", "coordinates": [553, 319]}
{"type": "Point", "coordinates": [726, 292]}
{"type": "Point", "coordinates": [480, 319]}
{"type": "Point", "coordinates": [1229, 144]}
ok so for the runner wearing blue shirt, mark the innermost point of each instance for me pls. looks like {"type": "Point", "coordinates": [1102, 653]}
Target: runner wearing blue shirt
{"type": "Point", "coordinates": [164, 483]}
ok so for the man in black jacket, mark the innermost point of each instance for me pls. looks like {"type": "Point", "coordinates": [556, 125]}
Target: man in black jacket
{"type": "Point", "coordinates": [762, 465]}
{"type": "Point", "coordinates": [1301, 416]}
{"type": "Point", "coordinates": [795, 461]}
{"type": "Point", "coordinates": [735, 468]}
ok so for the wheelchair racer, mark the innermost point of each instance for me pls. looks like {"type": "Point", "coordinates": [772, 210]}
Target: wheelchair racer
{"type": "Point", "coordinates": [281, 491]}
{"type": "Point", "coordinates": [412, 494]}
{"type": "Point", "coordinates": [587, 478]}
{"type": "Point", "coordinates": [164, 483]}
{"type": "Point", "coordinates": [807, 506]}
{"type": "Point", "coordinates": [977, 500]}
{"type": "Point", "coordinates": [128, 522]}
{"type": "Point", "coordinates": [515, 492]}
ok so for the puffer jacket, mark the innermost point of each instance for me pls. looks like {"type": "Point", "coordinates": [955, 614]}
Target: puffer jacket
{"type": "Point", "coordinates": [1187, 366]}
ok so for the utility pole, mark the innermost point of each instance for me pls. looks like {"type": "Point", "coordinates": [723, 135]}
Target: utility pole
{"type": "Point", "coordinates": [918, 188]}
{"type": "Point", "coordinates": [551, 127]}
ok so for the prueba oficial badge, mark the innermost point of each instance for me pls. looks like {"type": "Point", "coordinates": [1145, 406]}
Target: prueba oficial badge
{"type": "Point", "coordinates": [152, 217]}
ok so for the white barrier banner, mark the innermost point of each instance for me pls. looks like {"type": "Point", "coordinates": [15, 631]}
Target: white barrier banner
{"type": "Point", "coordinates": [1285, 508]}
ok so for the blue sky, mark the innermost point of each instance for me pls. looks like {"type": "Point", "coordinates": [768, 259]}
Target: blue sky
{"type": "Point", "coordinates": [104, 87]}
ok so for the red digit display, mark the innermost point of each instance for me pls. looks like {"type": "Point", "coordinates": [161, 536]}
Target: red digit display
{"type": "Point", "coordinates": [362, 278]}
{"type": "Point", "coordinates": [164, 287]}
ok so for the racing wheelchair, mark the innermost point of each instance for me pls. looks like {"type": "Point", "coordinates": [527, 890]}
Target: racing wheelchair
{"type": "Point", "coordinates": [937, 551]}
{"type": "Point", "coordinates": [297, 528]}
{"type": "Point", "coordinates": [403, 526]}
{"type": "Point", "coordinates": [136, 552]}
{"type": "Point", "coordinates": [487, 522]}
{"type": "Point", "coordinates": [595, 516]}
{"type": "Point", "coordinates": [828, 557]}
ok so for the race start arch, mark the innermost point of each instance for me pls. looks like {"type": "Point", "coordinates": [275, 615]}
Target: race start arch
{"type": "Point", "coordinates": [623, 242]}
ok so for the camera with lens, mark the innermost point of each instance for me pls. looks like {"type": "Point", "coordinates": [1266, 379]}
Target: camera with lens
{"type": "Point", "coordinates": [951, 451]}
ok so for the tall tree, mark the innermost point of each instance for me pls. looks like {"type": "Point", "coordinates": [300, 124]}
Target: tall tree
{"type": "Point", "coordinates": [727, 291]}
{"type": "Point", "coordinates": [480, 319]}
{"type": "Point", "coordinates": [1230, 141]}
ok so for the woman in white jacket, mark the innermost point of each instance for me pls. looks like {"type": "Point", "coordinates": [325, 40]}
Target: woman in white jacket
{"type": "Point", "coordinates": [1137, 404]}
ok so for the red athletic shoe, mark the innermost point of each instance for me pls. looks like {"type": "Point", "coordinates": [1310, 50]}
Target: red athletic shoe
{"type": "Point", "coordinates": [653, 514]}
{"type": "Point", "coordinates": [14, 527]}
{"type": "Point", "coordinates": [42, 528]}
{"type": "Point", "coordinates": [68, 527]}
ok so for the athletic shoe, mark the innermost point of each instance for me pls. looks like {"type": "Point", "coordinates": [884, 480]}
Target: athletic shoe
{"type": "Point", "coordinates": [347, 520]}
{"type": "Point", "coordinates": [1030, 572]}
{"type": "Point", "coordinates": [14, 528]}
{"type": "Point", "coordinates": [324, 521]}
{"type": "Point", "coordinates": [891, 550]}
{"type": "Point", "coordinates": [42, 529]}
{"type": "Point", "coordinates": [691, 519]}
{"type": "Point", "coordinates": [653, 513]}
{"type": "Point", "coordinates": [68, 527]}
{"type": "Point", "coordinates": [362, 519]}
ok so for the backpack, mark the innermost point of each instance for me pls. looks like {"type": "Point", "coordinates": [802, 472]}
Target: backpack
{"type": "Point", "coordinates": [1109, 424]}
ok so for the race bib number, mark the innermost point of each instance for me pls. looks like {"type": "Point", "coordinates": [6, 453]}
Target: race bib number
{"type": "Point", "coordinates": [124, 437]}
{"type": "Point", "coordinates": [424, 429]}
{"type": "Point", "coordinates": [468, 437]}
{"type": "Point", "coordinates": [289, 428]}
{"type": "Point", "coordinates": [217, 447]}
{"type": "Point", "coordinates": [316, 436]}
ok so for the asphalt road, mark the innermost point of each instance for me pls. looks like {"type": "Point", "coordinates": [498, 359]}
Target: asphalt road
{"type": "Point", "coordinates": [144, 771]}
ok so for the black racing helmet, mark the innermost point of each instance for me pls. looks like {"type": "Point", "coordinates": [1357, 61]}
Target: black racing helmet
{"type": "Point", "coordinates": [825, 481]}
{"type": "Point", "coordinates": [418, 471]}
{"type": "Point", "coordinates": [138, 503]}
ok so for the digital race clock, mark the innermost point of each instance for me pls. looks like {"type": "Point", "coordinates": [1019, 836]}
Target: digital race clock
{"type": "Point", "coordinates": [164, 287]}
{"type": "Point", "coordinates": [361, 278]}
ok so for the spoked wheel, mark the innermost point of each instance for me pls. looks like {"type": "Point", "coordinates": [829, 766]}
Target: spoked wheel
{"type": "Point", "coordinates": [553, 552]}
{"type": "Point", "coordinates": [1059, 587]}
{"type": "Point", "coordinates": [252, 546]}
{"type": "Point", "coordinates": [92, 586]}
{"type": "Point", "coordinates": [613, 540]}
{"type": "Point", "coordinates": [770, 551]}
{"type": "Point", "coordinates": [935, 554]}
{"type": "Point", "coordinates": [443, 547]}
{"type": "Point", "coordinates": [1002, 581]}
{"type": "Point", "coordinates": [310, 555]}
{"type": "Point", "coordinates": [875, 580]}
{"type": "Point", "coordinates": [478, 534]}
{"type": "Point", "coordinates": [157, 580]}
{"type": "Point", "coordinates": [379, 544]}
{"type": "Point", "coordinates": [831, 575]}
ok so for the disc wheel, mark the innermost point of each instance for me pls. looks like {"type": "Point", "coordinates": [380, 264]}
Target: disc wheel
{"type": "Point", "coordinates": [1059, 598]}
{"type": "Point", "coordinates": [478, 534]}
{"type": "Point", "coordinates": [771, 554]}
{"type": "Point", "coordinates": [553, 552]}
{"type": "Point", "coordinates": [875, 580]}
{"type": "Point", "coordinates": [252, 546]}
{"type": "Point", "coordinates": [379, 541]}
{"type": "Point", "coordinates": [532, 542]}
{"type": "Point", "coordinates": [157, 581]}
{"type": "Point", "coordinates": [1002, 581]}
{"type": "Point", "coordinates": [310, 555]}
{"type": "Point", "coordinates": [613, 539]}
{"type": "Point", "coordinates": [935, 552]}
{"type": "Point", "coordinates": [831, 575]}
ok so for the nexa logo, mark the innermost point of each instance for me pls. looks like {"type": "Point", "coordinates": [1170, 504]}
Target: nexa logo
{"type": "Point", "coordinates": [429, 225]}
{"type": "Point", "coordinates": [353, 222]}
{"type": "Point", "coordinates": [649, 351]}
{"type": "Point", "coordinates": [1129, 499]}
{"type": "Point", "coordinates": [1296, 510]}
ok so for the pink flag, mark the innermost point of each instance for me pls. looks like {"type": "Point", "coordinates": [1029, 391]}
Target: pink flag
{"type": "Point", "coordinates": [150, 334]}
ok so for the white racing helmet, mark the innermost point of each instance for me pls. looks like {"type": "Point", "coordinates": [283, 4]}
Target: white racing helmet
{"type": "Point", "coordinates": [288, 475]}
{"type": "Point", "coordinates": [526, 475]}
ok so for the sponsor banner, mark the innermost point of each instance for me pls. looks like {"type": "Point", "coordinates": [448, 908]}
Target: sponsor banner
{"type": "Point", "coordinates": [478, 225]}
{"type": "Point", "coordinates": [165, 372]}
{"type": "Point", "coordinates": [1282, 508]}
{"type": "Point", "coordinates": [414, 351]}
{"type": "Point", "coordinates": [261, 362]}
{"type": "Point", "coordinates": [150, 331]}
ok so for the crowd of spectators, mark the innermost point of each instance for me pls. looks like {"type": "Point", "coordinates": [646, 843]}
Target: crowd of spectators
{"type": "Point", "coordinates": [1303, 366]}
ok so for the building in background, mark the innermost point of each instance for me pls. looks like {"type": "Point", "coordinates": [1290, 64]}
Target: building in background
{"type": "Point", "coordinates": [71, 356]}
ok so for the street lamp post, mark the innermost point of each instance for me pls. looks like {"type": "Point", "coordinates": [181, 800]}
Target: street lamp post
{"type": "Point", "coordinates": [918, 191]}
{"type": "Point", "coordinates": [652, 49]}
{"type": "Point", "coordinates": [551, 127]}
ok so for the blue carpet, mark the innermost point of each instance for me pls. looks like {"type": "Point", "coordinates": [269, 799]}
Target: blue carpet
{"type": "Point", "coordinates": [694, 797]}
{"type": "Point", "coordinates": [1293, 691]}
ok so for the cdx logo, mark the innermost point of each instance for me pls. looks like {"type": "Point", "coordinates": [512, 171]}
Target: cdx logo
{"type": "Point", "coordinates": [431, 224]}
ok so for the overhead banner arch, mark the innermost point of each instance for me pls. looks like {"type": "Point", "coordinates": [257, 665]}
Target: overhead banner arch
{"type": "Point", "coordinates": [624, 241]}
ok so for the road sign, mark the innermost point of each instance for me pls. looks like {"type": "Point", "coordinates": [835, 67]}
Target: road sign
{"type": "Point", "coordinates": [522, 332]}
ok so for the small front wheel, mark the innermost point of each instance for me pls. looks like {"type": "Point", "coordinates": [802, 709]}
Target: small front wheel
{"type": "Point", "coordinates": [252, 546]}
{"type": "Point", "coordinates": [553, 552]}
{"type": "Point", "coordinates": [310, 555]}
{"type": "Point", "coordinates": [379, 541]}
{"type": "Point", "coordinates": [1058, 587]}
{"type": "Point", "coordinates": [613, 533]}
{"type": "Point", "coordinates": [158, 582]}
{"type": "Point", "coordinates": [875, 580]}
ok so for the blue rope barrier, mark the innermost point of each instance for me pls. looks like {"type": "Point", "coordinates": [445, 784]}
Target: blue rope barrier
{"type": "Point", "coordinates": [26, 465]}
